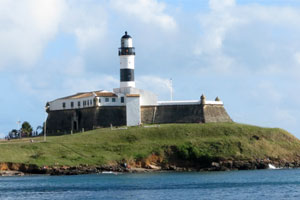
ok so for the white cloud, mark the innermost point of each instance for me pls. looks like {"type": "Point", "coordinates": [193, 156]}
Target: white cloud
{"type": "Point", "coordinates": [87, 21]}
{"type": "Point", "coordinates": [26, 27]}
{"type": "Point", "coordinates": [215, 26]}
{"type": "Point", "coordinates": [75, 67]}
{"type": "Point", "coordinates": [147, 11]}
{"type": "Point", "coordinates": [297, 57]}
{"type": "Point", "coordinates": [42, 90]}
{"type": "Point", "coordinates": [90, 83]}
{"type": "Point", "coordinates": [158, 85]}
{"type": "Point", "coordinates": [220, 5]}
{"type": "Point", "coordinates": [286, 116]}
{"type": "Point", "coordinates": [247, 36]}
{"type": "Point", "coordinates": [266, 92]}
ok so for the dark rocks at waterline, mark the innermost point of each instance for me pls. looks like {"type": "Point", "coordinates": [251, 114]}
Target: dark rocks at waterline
{"type": "Point", "coordinates": [227, 165]}
{"type": "Point", "coordinates": [85, 170]}
{"type": "Point", "coordinates": [11, 173]}
{"type": "Point", "coordinates": [215, 166]}
{"type": "Point", "coordinates": [10, 169]}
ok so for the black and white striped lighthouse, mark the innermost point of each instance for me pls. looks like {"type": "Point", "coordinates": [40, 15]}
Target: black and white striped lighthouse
{"type": "Point", "coordinates": [127, 54]}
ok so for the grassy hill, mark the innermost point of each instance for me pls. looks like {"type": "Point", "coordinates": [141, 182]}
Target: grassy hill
{"type": "Point", "coordinates": [184, 142]}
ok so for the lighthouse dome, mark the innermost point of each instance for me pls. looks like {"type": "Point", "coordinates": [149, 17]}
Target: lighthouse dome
{"type": "Point", "coordinates": [126, 36]}
{"type": "Point", "coordinates": [126, 41]}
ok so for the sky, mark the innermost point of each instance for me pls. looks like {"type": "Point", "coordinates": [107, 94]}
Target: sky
{"type": "Point", "coordinates": [246, 52]}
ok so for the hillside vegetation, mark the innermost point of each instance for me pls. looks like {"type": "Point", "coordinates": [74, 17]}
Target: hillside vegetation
{"type": "Point", "coordinates": [184, 142]}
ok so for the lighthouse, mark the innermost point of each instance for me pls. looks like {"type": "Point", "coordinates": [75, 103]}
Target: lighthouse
{"type": "Point", "coordinates": [127, 54]}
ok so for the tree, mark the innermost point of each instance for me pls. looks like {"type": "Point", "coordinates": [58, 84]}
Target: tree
{"type": "Point", "coordinates": [13, 134]}
{"type": "Point", "coordinates": [26, 129]}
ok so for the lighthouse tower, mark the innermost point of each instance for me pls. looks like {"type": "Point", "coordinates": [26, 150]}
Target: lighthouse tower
{"type": "Point", "coordinates": [127, 54]}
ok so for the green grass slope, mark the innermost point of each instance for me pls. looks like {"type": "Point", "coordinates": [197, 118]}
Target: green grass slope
{"type": "Point", "coordinates": [188, 141]}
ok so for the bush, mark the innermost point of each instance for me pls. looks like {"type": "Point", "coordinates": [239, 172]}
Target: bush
{"type": "Point", "coordinates": [193, 153]}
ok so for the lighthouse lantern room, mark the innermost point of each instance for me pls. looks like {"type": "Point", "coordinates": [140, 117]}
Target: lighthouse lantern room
{"type": "Point", "coordinates": [127, 54]}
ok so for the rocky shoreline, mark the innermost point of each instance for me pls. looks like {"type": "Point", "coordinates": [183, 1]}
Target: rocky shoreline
{"type": "Point", "coordinates": [14, 169]}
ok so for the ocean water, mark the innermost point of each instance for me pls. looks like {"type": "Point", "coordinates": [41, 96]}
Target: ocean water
{"type": "Point", "coordinates": [256, 184]}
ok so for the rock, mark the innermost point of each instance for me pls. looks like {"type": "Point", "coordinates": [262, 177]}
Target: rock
{"type": "Point", "coordinates": [215, 164]}
{"type": "Point", "coordinates": [255, 137]}
{"type": "Point", "coordinates": [262, 165]}
{"type": "Point", "coordinates": [11, 173]}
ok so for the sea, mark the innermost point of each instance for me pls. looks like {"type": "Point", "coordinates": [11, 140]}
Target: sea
{"type": "Point", "coordinates": [252, 184]}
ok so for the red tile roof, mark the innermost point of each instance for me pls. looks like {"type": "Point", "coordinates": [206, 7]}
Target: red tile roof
{"type": "Point", "coordinates": [101, 93]}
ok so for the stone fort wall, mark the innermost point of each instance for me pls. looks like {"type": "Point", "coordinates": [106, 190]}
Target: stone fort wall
{"type": "Point", "coordinates": [63, 121]}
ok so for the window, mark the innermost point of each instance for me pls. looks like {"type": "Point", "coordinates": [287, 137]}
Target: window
{"type": "Point", "coordinates": [84, 103]}
{"type": "Point", "coordinates": [91, 102]}
{"type": "Point", "coordinates": [72, 104]}
{"type": "Point", "coordinates": [113, 99]}
{"type": "Point", "coordinates": [106, 99]}
{"type": "Point", "coordinates": [78, 103]}
{"type": "Point", "coordinates": [122, 99]}
{"type": "Point", "coordinates": [88, 102]}
{"type": "Point", "coordinates": [99, 100]}
{"type": "Point", "coordinates": [64, 105]}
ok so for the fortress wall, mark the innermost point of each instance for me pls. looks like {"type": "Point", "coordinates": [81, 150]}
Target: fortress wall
{"type": "Point", "coordinates": [104, 116]}
{"type": "Point", "coordinates": [59, 121]}
{"type": "Point", "coordinates": [63, 121]}
{"type": "Point", "coordinates": [172, 114]}
{"type": "Point", "coordinates": [215, 113]}
{"type": "Point", "coordinates": [147, 114]}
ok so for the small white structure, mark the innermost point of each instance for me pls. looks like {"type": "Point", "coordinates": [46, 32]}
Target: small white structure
{"type": "Point", "coordinates": [133, 110]}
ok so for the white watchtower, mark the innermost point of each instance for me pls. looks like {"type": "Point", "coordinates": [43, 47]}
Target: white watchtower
{"type": "Point", "coordinates": [127, 54]}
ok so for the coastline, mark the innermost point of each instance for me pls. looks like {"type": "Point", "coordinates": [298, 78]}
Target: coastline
{"type": "Point", "coordinates": [15, 169]}
{"type": "Point", "coordinates": [172, 147]}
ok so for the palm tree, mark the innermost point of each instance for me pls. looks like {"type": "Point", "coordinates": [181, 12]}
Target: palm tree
{"type": "Point", "coordinates": [26, 129]}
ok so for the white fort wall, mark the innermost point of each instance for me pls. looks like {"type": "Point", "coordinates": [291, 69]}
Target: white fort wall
{"type": "Point", "coordinates": [86, 102]}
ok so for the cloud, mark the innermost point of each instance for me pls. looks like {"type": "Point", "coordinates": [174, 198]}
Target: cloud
{"type": "Point", "coordinates": [220, 5]}
{"type": "Point", "coordinates": [71, 76]}
{"type": "Point", "coordinates": [87, 20]}
{"type": "Point", "coordinates": [90, 83]}
{"type": "Point", "coordinates": [266, 92]}
{"type": "Point", "coordinates": [75, 67]}
{"type": "Point", "coordinates": [215, 25]}
{"type": "Point", "coordinates": [248, 37]}
{"type": "Point", "coordinates": [26, 27]}
{"type": "Point", "coordinates": [158, 85]}
{"type": "Point", "coordinates": [286, 116]}
{"type": "Point", "coordinates": [147, 11]}
{"type": "Point", "coordinates": [297, 57]}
